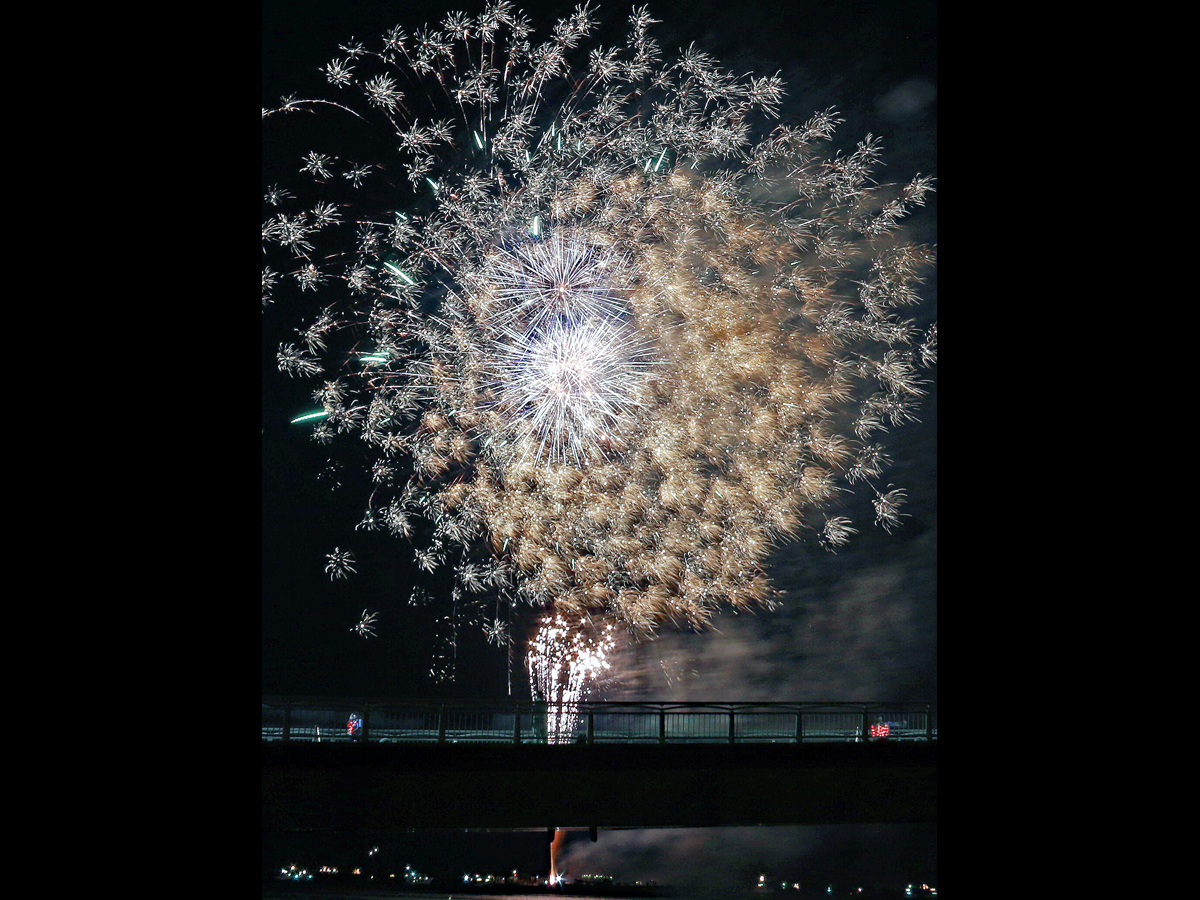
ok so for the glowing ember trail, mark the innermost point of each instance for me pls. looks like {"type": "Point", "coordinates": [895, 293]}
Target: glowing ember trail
{"type": "Point", "coordinates": [555, 847]}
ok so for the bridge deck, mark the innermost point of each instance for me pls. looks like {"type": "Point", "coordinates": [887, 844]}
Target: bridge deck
{"type": "Point", "coordinates": [661, 765]}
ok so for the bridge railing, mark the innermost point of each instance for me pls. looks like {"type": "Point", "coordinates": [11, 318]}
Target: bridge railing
{"type": "Point", "coordinates": [607, 722]}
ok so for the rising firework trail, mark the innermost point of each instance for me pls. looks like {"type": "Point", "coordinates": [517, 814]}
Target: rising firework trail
{"type": "Point", "coordinates": [609, 331]}
{"type": "Point", "coordinates": [556, 845]}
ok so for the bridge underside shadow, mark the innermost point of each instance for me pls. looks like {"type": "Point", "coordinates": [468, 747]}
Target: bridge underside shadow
{"type": "Point", "coordinates": [382, 787]}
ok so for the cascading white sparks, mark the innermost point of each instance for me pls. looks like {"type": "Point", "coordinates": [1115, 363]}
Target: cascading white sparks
{"type": "Point", "coordinates": [562, 660]}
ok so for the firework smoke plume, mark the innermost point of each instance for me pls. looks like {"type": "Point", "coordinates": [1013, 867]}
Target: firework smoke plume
{"type": "Point", "coordinates": [608, 329]}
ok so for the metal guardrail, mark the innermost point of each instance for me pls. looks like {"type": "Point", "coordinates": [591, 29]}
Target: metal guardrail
{"type": "Point", "coordinates": [608, 722]}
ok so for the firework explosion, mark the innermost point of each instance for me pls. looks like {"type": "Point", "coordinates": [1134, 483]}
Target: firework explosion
{"type": "Point", "coordinates": [365, 627]}
{"type": "Point", "coordinates": [609, 331]}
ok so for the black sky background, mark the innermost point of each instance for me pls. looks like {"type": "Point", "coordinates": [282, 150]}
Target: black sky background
{"type": "Point", "coordinates": [858, 625]}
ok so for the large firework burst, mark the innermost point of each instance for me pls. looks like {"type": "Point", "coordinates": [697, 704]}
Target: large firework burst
{"type": "Point", "coordinates": [614, 332]}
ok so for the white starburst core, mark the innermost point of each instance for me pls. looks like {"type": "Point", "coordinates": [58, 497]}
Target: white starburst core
{"type": "Point", "coordinates": [569, 362]}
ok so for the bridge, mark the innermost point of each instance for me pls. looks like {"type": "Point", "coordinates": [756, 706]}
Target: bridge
{"type": "Point", "coordinates": [381, 765]}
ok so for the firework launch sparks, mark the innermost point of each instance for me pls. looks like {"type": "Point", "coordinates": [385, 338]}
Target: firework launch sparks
{"type": "Point", "coordinates": [614, 334]}
{"type": "Point", "coordinates": [564, 658]}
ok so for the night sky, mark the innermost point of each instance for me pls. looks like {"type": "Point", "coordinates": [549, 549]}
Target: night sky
{"type": "Point", "coordinates": [857, 625]}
